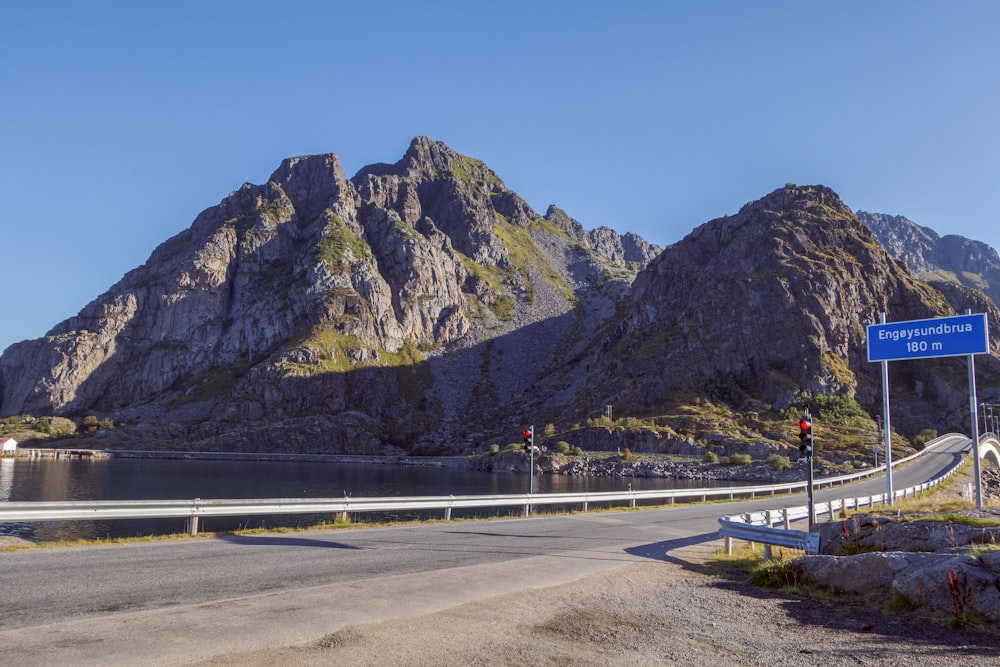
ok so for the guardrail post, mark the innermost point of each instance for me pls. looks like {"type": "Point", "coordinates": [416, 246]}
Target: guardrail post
{"type": "Point", "coordinates": [193, 522]}
{"type": "Point", "coordinates": [585, 505]}
{"type": "Point", "coordinates": [832, 518]}
{"type": "Point", "coordinates": [748, 519]}
{"type": "Point", "coordinates": [729, 545]}
{"type": "Point", "coordinates": [788, 522]}
{"type": "Point", "coordinates": [447, 514]}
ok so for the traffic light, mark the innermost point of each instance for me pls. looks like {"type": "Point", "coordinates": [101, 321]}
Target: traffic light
{"type": "Point", "coordinates": [528, 437]}
{"type": "Point", "coordinates": [806, 437]}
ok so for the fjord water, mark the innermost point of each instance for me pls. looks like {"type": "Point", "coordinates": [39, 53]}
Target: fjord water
{"type": "Point", "coordinates": [157, 479]}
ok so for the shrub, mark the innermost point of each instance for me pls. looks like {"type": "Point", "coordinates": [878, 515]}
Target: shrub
{"type": "Point", "coordinates": [777, 573]}
{"type": "Point", "coordinates": [627, 454]}
{"type": "Point", "coordinates": [89, 424]}
{"type": "Point", "coordinates": [779, 462]}
{"type": "Point", "coordinates": [576, 451]}
{"type": "Point", "coordinates": [562, 447]}
{"type": "Point", "coordinates": [740, 460]}
{"type": "Point", "coordinates": [711, 457]}
{"type": "Point", "coordinates": [494, 450]}
{"type": "Point", "coordinates": [549, 431]}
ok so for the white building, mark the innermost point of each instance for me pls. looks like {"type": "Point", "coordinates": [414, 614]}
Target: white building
{"type": "Point", "coordinates": [8, 446]}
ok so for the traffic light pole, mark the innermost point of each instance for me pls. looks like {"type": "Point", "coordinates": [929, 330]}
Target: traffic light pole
{"type": "Point", "coordinates": [812, 503]}
{"type": "Point", "coordinates": [531, 469]}
{"type": "Point", "coordinates": [812, 454]}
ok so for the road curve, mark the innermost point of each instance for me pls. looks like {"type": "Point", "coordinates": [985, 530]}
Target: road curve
{"type": "Point", "coordinates": [177, 601]}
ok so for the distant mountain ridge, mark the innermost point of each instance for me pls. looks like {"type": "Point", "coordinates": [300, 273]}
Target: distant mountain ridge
{"type": "Point", "coordinates": [935, 258]}
{"type": "Point", "coordinates": [423, 306]}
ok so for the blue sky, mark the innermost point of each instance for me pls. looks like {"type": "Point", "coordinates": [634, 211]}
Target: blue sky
{"type": "Point", "coordinates": [121, 121]}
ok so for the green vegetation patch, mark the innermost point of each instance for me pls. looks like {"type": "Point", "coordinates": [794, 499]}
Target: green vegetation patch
{"type": "Point", "coordinates": [337, 352]}
{"type": "Point", "coordinates": [340, 246]}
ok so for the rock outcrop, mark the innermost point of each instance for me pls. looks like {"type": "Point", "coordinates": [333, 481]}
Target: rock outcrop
{"type": "Point", "coordinates": [927, 563]}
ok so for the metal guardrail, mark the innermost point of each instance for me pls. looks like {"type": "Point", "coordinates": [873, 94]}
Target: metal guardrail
{"type": "Point", "coordinates": [757, 527]}
{"type": "Point", "coordinates": [192, 510]}
{"type": "Point", "coordinates": [792, 539]}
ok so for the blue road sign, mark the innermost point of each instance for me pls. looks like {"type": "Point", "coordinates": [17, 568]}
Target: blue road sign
{"type": "Point", "coordinates": [956, 336]}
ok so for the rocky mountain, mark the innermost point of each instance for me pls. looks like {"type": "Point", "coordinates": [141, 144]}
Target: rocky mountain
{"type": "Point", "coordinates": [423, 306]}
{"type": "Point", "coordinates": [949, 259]}
{"type": "Point", "coordinates": [770, 304]}
{"type": "Point", "coordinates": [366, 309]}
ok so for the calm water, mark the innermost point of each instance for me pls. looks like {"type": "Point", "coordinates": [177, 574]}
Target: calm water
{"type": "Point", "coordinates": [140, 479]}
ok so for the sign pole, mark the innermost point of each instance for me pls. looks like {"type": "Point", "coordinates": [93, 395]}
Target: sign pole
{"type": "Point", "coordinates": [888, 427]}
{"type": "Point", "coordinates": [975, 432]}
{"type": "Point", "coordinates": [975, 427]}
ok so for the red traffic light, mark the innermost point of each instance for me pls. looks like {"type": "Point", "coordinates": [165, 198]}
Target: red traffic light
{"type": "Point", "coordinates": [527, 433]}
{"type": "Point", "coordinates": [805, 424]}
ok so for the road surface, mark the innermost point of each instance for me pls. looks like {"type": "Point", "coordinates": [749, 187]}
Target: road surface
{"type": "Point", "coordinates": [176, 601]}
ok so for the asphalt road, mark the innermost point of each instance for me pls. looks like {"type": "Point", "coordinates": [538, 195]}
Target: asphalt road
{"type": "Point", "coordinates": [176, 601]}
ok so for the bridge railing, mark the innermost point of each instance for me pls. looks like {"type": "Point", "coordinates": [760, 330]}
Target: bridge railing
{"type": "Point", "coordinates": [193, 510]}
{"type": "Point", "coordinates": [758, 527]}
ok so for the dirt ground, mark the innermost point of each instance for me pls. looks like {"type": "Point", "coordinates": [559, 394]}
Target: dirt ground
{"type": "Point", "coordinates": [653, 613]}
{"type": "Point", "coordinates": [647, 614]}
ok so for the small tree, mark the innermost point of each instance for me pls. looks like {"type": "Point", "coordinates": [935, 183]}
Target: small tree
{"type": "Point", "coordinates": [562, 447]}
{"type": "Point", "coordinates": [549, 431]}
{"type": "Point", "coordinates": [711, 457]}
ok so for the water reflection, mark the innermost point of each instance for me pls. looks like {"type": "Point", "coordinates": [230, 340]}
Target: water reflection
{"type": "Point", "coordinates": [6, 478]}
